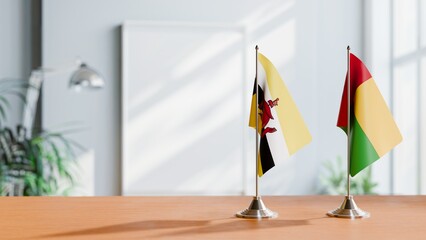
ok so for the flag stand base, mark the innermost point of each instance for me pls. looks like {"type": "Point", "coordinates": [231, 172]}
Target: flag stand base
{"type": "Point", "coordinates": [257, 209]}
{"type": "Point", "coordinates": [348, 209]}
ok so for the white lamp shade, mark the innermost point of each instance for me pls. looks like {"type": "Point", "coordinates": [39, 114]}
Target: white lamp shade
{"type": "Point", "coordinates": [86, 77]}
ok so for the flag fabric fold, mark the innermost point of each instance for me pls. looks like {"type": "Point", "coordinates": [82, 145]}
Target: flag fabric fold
{"type": "Point", "coordinates": [281, 127]}
{"type": "Point", "coordinates": [373, 130]}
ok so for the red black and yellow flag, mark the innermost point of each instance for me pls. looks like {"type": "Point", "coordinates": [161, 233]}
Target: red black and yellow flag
{"type": "Point", "coordinates": [280, 124]}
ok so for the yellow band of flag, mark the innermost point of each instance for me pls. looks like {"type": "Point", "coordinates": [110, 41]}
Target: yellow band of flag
{"type": "Point", "coordinates": [293, 126]}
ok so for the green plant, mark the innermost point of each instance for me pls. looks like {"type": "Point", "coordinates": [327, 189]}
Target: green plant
{"type": "Point", "coordinates": [35, 166]}
{"type": "Point", "coordinates": [38, 165]}
{"type": "Point", "coordinates": [334, 181]}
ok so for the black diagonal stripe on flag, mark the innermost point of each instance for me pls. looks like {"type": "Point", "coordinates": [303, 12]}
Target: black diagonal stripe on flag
{"type": "Point", "coordinates": [265, 155]}
{"type": "Point", "coordinates": [261, 97]}
{"type": "Point", "coordinates": [266, 159]}
{"type": "Point", "coordinates": [259, 91]}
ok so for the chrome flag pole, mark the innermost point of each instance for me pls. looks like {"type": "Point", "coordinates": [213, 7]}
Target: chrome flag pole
{"type": "Point", "coordinates": [257, 208]}
{"type": "Point", "coordinates": [348, 208]}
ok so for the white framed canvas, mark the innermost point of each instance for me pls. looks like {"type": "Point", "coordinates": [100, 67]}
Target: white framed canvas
{"type": "Point", "coordinates": [183, 109]}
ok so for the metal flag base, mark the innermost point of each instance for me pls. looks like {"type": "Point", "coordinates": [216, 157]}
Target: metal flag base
{"type": "Point", "coordinates": [257, 209]}
{"type": "Point", "coordinates": [348, 209]}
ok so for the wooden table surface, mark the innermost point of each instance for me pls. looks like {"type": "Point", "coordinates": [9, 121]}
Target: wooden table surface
{"type": "Point", "coordinates": [300, 217]}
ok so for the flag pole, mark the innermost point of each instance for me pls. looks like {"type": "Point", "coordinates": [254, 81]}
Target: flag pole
{"type": "Point", "coordinates": [349, 122]}
{"type": "Point", "coordinates": [257, 128]}
{"type": "Point", "coordinates": [348, 208]}
{"type": "Point", "coordinates": [257, 208]}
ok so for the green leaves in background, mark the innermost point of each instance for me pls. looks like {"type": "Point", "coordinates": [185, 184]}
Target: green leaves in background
{"type": "Point", "coordinates": [333, 180]}
{"type": "Point", "coordinates": [37, 165]}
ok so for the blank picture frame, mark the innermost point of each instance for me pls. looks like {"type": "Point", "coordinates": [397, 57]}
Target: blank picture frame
{"type": "Point", "coordinates": [183, 108]}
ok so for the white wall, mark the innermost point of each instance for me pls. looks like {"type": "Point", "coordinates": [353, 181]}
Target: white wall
{"type": "Point", "coordinates": [305, 39]}
{"type": "Point", "coordinates": [340, 24]}
{"type": "Point", "coordinates": [15, 47]}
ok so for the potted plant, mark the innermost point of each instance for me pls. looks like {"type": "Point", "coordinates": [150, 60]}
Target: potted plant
{"type": "Point", "coordinates": [36, 164]}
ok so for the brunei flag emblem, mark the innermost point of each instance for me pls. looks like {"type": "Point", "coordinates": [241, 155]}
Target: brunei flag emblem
{"type": "Point", "coordinates": [281, 127]}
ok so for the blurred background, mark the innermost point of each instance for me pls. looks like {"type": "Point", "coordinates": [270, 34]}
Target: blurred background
{"type": "Point", "coordinates": [172, 116]}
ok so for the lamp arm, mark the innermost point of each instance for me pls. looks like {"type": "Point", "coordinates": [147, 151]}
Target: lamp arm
{"type": "Point", "coordinates": [33, 93]}
{"type": "Point", "coordinates": [48, 71]}
{"type": "Point", "coordinates": [83, 76]}
{"type": "Point", "coordinates": [31, 99]}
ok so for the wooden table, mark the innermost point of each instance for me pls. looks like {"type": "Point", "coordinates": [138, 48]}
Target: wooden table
{"type": "Point", "coordinates": [392, 217]}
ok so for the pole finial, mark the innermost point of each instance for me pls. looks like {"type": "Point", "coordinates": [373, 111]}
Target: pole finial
{"type": "Point", "coordinates": [348, 48]}
{"type": "Point", "coordinates": [257, 47]}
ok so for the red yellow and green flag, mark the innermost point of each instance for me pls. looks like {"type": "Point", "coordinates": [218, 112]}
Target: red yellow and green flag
{"type": "Point", "coordinates": [373, 130]}
{"type": "Point", "coordinates": [281, 127]}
